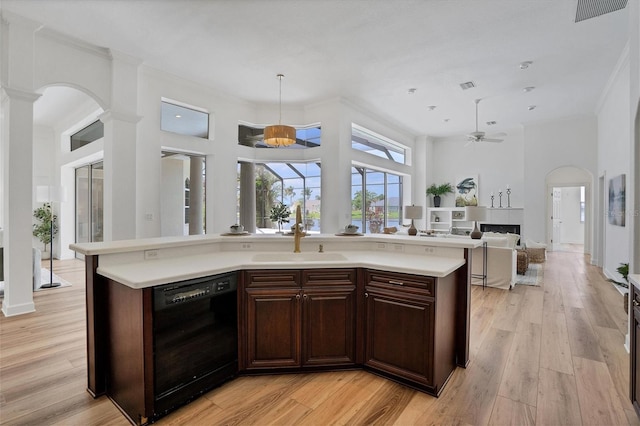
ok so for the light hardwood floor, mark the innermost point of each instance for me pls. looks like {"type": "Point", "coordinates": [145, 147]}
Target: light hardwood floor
{"type": "Point", "coordinates": [547, 355]}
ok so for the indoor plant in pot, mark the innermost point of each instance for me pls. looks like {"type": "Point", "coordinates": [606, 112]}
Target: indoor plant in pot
{"type": "Point", "coordinates": [46, 226]}
{"type": "Point", "coordinates": [439, 190]}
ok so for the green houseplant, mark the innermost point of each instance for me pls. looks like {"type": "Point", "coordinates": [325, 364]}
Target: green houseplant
{"type": "Point", "coordinates": [439, 190]}
{"type": "Point", "coordinates": [46, 227]}
{"type": "Point", "coordinates": [280, 213]}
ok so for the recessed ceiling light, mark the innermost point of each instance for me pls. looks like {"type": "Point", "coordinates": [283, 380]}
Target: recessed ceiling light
{"type": "Point", "coordinates": [412, 91]}
{"type": "Point", "coordinates": [431, 107]}
{"type": "Point", "coordinates": [531, 107]}
{"type": "Point", "coordinates": [446, 120]}
{"type": "Point", "coordinates": [491, 123]}
{"type": "Point", "coordinates": [528, 89]}
{"type": "Point", "coordinates": [524, 65]}
{"type": "Point", "coordinates": [178, 116]}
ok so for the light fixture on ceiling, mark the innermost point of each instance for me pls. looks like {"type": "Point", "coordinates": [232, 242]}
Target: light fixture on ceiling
{"type": "Point", "coordinates": [279, 134]}
{"type": "Point", "coordinates": [531, 107]}
{"type": "Point", "coordinates": [431, 107]}
{"type": "Point", "coordinates": [524, 65]}
{"type": "Point", "coordinates": [178, 116]}
{"type": "Point", "coordinates": [412, 91]}
{"type": "Point", "coordinates": [491, 123]}
{"type": "Point", "coordinates": [528, 89]}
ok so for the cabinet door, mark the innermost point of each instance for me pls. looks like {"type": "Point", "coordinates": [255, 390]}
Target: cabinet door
{"type": "Point", "coordinates": [328, 326]}
{"type": "Point", "coordinates": [635, 347]}
{"type": "Point", "coordinates": [273, 328]}
{"type": "Point", "coordinates": [399, 336]}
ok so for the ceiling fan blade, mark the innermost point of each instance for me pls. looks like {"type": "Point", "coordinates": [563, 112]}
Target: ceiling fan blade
{"type": "Point", "coordinates": [498, 135]}
{"type": "Point", "coordinates": [491, 140]}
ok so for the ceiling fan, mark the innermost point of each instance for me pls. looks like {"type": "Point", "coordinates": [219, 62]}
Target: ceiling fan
{"type": "Point", "coordinates": [479, 136]}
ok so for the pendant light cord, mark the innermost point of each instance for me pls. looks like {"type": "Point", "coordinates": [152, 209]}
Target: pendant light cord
{"type": "Point", "coordinates": [280, 98]}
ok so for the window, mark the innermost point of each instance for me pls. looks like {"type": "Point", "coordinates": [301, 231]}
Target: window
{"type": "Point", "coordinates": [92, 132]}
{"type": "Point", "coordinates": [184, 121]}
{"type": "Point", "coordinates": [374, 144]}
{"type": "Point", "coordinates": [306, 137]}
{"type": "Point", "coordinates": [290, 183]}
{"type": "Point", "coordinates": [376, 199]}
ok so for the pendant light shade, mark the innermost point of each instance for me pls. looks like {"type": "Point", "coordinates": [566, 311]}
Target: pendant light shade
{"type": "Point", "coordinates": [279, 134]}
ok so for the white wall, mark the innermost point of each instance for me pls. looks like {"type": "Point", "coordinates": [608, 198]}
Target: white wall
{"type": "Point", "coordinates": [496, 164]}
{"type": "Point", "coordinates": [614, 159]}
{"type": "Point", "coordinates": [172, 197]}
{"type": "Point", "coordinates": [547, 147]}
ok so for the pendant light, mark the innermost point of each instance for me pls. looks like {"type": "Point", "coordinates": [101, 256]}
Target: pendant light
{"type": "Point", "coordinates": [279, 134]}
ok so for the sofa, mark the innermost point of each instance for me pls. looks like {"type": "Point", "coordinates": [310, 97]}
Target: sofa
{"type": "Point", "coordinates": [501, 260]}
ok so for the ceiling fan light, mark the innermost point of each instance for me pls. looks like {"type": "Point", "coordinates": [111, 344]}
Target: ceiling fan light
{"type": "Point", "coordinates": [279, 135]}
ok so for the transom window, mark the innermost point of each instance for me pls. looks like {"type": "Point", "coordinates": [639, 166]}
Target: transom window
{"type": "Point", "coordinates": [372, 143]}
{"type": "Point", "coordinates": [183, 120]}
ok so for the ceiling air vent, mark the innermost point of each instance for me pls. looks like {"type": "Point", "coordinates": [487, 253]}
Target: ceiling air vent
{"type": "Point", "coordinates": [591, 8]}
{"type": "Point", "coordinates": [467, 85]}
{"type": "Point", "coordinates": [491, 123]}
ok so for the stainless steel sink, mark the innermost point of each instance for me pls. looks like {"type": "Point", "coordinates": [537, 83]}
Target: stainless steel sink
{"type": "Point", "coordinates": [298, 257]}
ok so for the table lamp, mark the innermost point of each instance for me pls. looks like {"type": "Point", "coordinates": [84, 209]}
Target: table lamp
{"type": "Point", "coordinates": [476, 214]}
{"type": "Point", "coordinates": [413, 212]}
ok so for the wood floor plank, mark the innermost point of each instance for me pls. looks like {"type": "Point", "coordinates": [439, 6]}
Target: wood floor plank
{"type": "Point", "coordinates": [599, 399]}
{"type": "Point", "coordinates": [555, 351]}
{"type": "Point", "coordinates": [384, 407]}
{"type": "Point", "coordinates": [507, 316]}
{"type": "Point", "coordinates": [520, 378]}
{"type": "Point", "coordinates": [617, 359]}
{"type": "Point", "coordinates": [582, 339]}
{"type": "Point", "coordinates": [558, 402]}
{"type": "Point", "coordinates": [509, 412]}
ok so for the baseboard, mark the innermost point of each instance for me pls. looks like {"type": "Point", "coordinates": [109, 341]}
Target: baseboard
{"type": "Point", "coordinates": [10, 311]}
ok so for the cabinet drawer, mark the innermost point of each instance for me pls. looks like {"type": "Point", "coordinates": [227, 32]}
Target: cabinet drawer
{"type": "Point", "coordinates": [323, 277]}
{"type": "Point", "coordinates": [395, 280]}
{"type": "Point", "coordinates": [275, 278]}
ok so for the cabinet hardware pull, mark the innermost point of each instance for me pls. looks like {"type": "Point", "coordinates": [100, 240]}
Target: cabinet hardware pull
{"type": "Point", "coordinates": [396, 282]}
{"type": "Point", "coordinates": [298, 296]}
{"type": "Point", "coordinates": [305, 296]}
{"type": "Point", "coordinates": [366, 295]}
{"type": "Point", "coordinates": [635, 303]}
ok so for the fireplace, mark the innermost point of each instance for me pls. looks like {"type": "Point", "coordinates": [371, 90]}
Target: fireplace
{"type": "Point", "coordinates": [501, 228]}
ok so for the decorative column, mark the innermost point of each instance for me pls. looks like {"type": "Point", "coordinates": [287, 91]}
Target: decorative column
{"type": "Point", "coordinates": [17, 158]}
{"type": "Point", "coordinates": [248, 196]}
{"type": "Point", "coordinates": [16, 146]}
{"type": "Point", "coordinates": [196, 195]}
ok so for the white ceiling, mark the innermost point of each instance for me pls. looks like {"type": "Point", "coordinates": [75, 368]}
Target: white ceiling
{"type": "Point", "coordinates": [369, 52]}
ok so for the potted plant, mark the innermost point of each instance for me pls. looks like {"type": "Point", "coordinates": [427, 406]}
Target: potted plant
{"type": "Point", "coordinates": [439, 190]}
{"type": "Point", "coordinates": [46, 227]}
{"type": "Point", "coordinates": [280, 213]}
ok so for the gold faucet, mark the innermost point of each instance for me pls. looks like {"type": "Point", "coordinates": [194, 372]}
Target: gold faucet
{"type": "Point", "coordinates": [297, 231]}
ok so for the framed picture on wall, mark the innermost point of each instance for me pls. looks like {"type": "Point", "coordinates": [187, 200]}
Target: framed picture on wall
{"type": "Point", "coordinates": [617, 197]}
{"type": "Point", "coordinates": [467, 191]}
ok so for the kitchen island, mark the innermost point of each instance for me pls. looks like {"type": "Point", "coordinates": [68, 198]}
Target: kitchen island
{"type": "Point", "coordinates": [395, 305]}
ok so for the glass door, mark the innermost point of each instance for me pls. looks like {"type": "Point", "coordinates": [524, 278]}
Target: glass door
{"type": "Point", "coordinates": [89, 203]}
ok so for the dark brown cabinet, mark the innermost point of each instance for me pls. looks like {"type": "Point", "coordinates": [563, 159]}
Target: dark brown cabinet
{"type": "Point", "coordinates": [410, 328]}
{"type": "Point", "coordinates": [299, 318]}
{"type": "Point", "coordinates": [634, 385]}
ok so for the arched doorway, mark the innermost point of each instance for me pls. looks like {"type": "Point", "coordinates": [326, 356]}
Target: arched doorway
{"type": "Point", "coordinates": [569, 209]}
{"type": "Point", "coordinates": [62, 147]}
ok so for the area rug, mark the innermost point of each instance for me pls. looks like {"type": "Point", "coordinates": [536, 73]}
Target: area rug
{"type": "Point", "coordinates": [533, 275]}
{"type": "Point", "coordinates": [44, 279]}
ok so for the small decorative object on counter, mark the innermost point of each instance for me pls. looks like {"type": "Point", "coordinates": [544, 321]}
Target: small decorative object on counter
{"type": "Point", "coordinates": [236, 228]}
{"type": "Point", "coordinates": [351, 229]}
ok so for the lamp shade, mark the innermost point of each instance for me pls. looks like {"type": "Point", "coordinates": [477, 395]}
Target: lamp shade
{"type": "Point", "coordinates": [51, 194]}
{"type": "Point", "coordinates": [413, 212]}
{"type": "Point", "coordinates": [279, 135]}
{"type": "Point", "coordinates": [477, 213]}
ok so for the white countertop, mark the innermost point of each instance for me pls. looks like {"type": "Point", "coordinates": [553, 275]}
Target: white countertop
{"type": "Point", "coordinates": [154, 272]}
{"type": "Point", "coordinates": [122, 246]}
{"type": "Point", "coordinates": [635, 280]}
{"type": "Point", "coordinates": [154, 261]}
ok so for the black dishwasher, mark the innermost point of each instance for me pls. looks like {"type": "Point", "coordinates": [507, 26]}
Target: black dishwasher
{"type": "Point", "coordinates": [195, 331]}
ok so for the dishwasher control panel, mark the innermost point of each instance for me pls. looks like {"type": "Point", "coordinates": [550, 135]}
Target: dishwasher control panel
{"type": "Point", "coordinates": [168, 295]}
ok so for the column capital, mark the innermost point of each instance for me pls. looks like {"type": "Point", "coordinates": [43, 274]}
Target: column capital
{"type": "Point", "coordinates": [119, 116]}
{"type": "Point", "coordinates": [20, 94]}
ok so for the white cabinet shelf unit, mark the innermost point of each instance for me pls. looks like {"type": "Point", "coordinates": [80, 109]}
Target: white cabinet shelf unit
{"type": "Point", "coordinates": [448, 219]}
